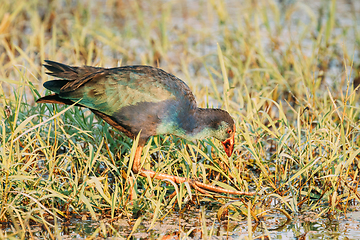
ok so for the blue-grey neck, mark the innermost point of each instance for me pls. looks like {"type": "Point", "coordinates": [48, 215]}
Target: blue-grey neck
{"type": "Point", "coordinates": [199, 123]}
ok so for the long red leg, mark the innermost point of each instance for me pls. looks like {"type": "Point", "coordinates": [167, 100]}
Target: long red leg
{"type": "Point", "coordinates": [136, 169]}
{"type": "Point", "coordinates": [162, 176]}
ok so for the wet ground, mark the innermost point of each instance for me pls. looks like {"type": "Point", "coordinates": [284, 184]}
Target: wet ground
{"type": "Point", "coordinates": [191, 225]}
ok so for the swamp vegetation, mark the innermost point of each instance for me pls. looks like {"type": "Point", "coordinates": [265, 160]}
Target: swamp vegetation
{"type": "Point", "coordinates": [287, 71]}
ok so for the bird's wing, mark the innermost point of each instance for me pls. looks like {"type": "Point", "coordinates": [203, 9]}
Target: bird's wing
{"type": "Point", "coordinates": [109, 90]}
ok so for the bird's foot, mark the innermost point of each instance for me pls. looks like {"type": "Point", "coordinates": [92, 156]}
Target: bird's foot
{"type": "Point", "coordinates": [201, 187]}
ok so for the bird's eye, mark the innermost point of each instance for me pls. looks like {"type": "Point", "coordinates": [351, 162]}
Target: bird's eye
{"type": "Point", "coordinates": [229, 131]}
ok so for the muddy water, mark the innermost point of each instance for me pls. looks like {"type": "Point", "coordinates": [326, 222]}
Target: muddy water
{"type": "Point", "coordinates": [191, 225]}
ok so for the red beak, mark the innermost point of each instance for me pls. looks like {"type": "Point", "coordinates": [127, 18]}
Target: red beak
{"type": "Point", "coordinates": [229, 145]}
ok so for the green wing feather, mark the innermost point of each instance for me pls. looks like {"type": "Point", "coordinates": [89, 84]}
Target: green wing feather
{"type": "Point", "coordinates": [109, 90]}
{"type": "Point", "coordinates": [115, 90]}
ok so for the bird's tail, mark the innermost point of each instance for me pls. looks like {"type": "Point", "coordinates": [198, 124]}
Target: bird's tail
{"type": "Point", "coordinates": [61, 70]}
{"type": "Point", "coordinates": [71, 77]}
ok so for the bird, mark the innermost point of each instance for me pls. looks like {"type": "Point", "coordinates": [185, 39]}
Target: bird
{"type": "Point", "coordinates": [142, 101]}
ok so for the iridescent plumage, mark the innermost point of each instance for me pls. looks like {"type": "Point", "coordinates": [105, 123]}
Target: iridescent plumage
{"type": "Point", "coordinates": [140, 99]}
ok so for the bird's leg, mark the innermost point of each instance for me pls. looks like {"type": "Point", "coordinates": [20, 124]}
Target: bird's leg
{"type": "Point", "coordinates": [135, 169]}
{"type": "Point", "coordinates": [137, 158]}
{"type": "Point", "coordinates": [162, 176]}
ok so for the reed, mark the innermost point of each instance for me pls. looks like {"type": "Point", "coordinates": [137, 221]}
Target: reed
{"type": "Point", "coordinates": [287, 80]}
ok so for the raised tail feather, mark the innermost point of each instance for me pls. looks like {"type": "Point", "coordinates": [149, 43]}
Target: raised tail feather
{"type": "Point", "coordinates": [61, 70]}
{"type": "Point", "coordinates": [67, 72]}
{"type": "Point", "coordinates": [71, 77]}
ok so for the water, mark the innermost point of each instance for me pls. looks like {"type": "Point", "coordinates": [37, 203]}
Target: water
{"type": "Point", "coordinates": [191, 225]}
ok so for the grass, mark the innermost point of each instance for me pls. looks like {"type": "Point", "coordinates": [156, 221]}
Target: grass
{"type": "Point", "coordinates": [288, 81]}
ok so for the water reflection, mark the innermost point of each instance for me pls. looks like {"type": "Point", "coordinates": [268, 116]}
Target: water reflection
{"type": "Point", "coordinates": [191, 225]}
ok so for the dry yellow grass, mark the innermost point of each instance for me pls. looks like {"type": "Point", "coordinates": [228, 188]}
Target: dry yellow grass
{"type": "Point", "coordinates": [284, 71]}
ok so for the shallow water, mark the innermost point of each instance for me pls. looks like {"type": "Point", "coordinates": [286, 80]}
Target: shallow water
{"type": "Point", "coordinates": [190, 225]}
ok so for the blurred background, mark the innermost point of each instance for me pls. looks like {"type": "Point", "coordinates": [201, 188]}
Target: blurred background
{"type": "Point", "coordinates": [265, 44]}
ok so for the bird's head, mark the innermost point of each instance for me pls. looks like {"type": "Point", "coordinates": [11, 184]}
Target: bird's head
{"type": "Point", "coordinates": [215, 123]}
{"type": "Point", "coordinates": [224, 126]}
{"type": "Point", "coordinates": [226, 134]}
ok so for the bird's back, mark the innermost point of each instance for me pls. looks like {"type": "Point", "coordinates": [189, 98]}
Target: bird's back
{"type": "Point", "coordinates": [110, 89]}
{"type": "Point", "coordinates": [138, 97]}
